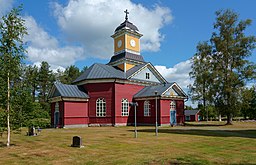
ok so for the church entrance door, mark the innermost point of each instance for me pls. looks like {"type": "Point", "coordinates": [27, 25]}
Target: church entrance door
{"type": "Point", "coordinates": [173, 117]}
{"type": "Point", "coordinates": [56, 119]}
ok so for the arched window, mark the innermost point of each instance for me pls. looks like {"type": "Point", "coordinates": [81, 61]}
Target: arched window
{"type": "Point", "coordinates": [172, 105]}
{"type": "Point", "coordinates": [125, 107]}
{"type": "Point", "coordinates": [100, 107]}
{"type": "Point", "coordinates": [146, 108]}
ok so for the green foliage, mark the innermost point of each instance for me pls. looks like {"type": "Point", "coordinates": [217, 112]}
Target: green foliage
{"type": "Point", "coordinates": [28, 85]}
{"type": "Point", "coordinates": [246, 99]}
{"type": "Point", "coordinates": [45, 81]}
{"type": "Point", "coordinates": [37, 116]}
{"type": "Point", "coordinates": [188, 107]}
{"type": "Point", "coordinates": [209, 112]}
{"type": "Point", "coordinates": [84, 69]}
{"type": "Point", "coordinates": [31, 79]}
{"type": "Point", "coordinates": [70, 74]}
{"type": "Point", "coordinates": [202, 75]}
{"type": "Point", "coordinates": [39, 122]}
{"type": "Point", "coordinates": [38, 112]}
{"type": "Point", "coordinates": [232, 69]}
{"type": "Point", "coordinates": [221, 69]}
{"type": "Point", "coordinates": [12, 31]}
{"type": "Point", "coordinates": [2, 120]}
{"type": "Point", "coordinates": [251, 112]}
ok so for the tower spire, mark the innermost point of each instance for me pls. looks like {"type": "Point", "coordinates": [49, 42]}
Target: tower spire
{"type": "Point", "coordinates": [126, 14]}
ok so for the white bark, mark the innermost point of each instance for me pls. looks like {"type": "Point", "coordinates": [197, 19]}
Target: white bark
{"type": "Point", "coordinates": [220, 117]}
{"type": "Point", "coordinates": [8, 111]}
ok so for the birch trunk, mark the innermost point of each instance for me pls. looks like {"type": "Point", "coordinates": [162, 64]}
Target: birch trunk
{"type": "Point", "coordinates": [8, 111]}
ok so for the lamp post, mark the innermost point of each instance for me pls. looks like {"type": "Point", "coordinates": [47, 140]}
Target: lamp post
{"type": "Point", "coordinates": [156, 113]}
{"type": "Point", "coordinates": [135, 104]}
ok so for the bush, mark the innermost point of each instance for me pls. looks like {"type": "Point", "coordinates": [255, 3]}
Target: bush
{"type": "Point", "coordinates": [39, 122]}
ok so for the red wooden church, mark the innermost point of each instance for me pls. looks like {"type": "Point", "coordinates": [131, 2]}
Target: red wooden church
{"type": "Point", "coordinates": [101, 95]}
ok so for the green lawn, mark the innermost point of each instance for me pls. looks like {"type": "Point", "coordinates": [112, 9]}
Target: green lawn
{"type": "Point", "coordinates": [203, 143]}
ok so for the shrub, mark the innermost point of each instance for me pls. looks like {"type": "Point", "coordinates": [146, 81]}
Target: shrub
{"type": "Point", "coordinates": [39, 122]}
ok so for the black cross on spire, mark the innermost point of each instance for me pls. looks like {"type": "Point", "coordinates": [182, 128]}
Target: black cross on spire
{"type": "Point", "coordinates": [126, 14]}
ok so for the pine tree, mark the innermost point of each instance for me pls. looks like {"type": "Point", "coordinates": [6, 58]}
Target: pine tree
{"type": "Point", "coordinates": [45, 82]}
{"type": "Point", "coordinates": [70, 74]}
{"type": "Point", "coordinates": [31, 79]}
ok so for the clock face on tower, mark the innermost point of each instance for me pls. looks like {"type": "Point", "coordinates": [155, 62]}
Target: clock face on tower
{"type": "Point", "coordinates": [119, 43]}
{"type": "Point", "coordinates": [132, 43]}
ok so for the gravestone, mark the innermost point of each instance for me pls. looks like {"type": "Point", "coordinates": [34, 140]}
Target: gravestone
{"type": "Point", "coordinates": [31, 131]}
{"type": "Point", "coordinates": [77, 142]}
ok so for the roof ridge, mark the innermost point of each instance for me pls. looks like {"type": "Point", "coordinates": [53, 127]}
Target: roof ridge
{"type": "Point", "coordinates": [58, 88]}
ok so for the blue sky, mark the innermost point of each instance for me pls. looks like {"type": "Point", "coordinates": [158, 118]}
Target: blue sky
{"type": "Point", "coordinates": [78, 32]}
{"type": "Point", "coordinates": [192, 22]}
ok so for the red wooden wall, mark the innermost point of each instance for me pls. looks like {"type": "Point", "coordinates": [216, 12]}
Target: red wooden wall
{"type": "Point", "coordinates": [75, 113]}
{"type": "Point", "coordinates": [101, 90]}
{"type": "Point", "coordinates": [165, 111]}
{"type": "Point", "coordinates": [180, 111]}
{"type": "Point", "coordinates": [141, 119]}
{"type": "Point", "coordinates": [124, 91]}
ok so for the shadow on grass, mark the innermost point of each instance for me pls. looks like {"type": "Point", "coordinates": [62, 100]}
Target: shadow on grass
{"type": "Point", "coordinates": [2, 144]}
{"type": "Point", "coordinates": [204, 125]}
{"type": "Point", "coordinates": [201, 132]}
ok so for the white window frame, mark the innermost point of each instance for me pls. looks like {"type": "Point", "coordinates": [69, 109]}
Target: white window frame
{"type": "Point", "coordinates": [147, 108]}
{"type": "Point", "coordinates": [172, 105]}
{"type": "Point", "coordinates": [125, 107]}
{"type": "Point", "coordinates": [100, 107]}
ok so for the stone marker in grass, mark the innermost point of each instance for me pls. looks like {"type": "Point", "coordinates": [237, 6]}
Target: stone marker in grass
{"type": "Point", "coordinates": [77, 142]}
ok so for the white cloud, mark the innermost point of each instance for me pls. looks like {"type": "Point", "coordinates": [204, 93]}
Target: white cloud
{"type": "Point", "coordinates": [54, 68]}
{"type": "Point", "coordinates": [179, 73]}
{"type": "Point", "coordinates": [93, 22]}
{"type": "Point", "coordinates": [43, 47]}
{"type": "Point", "coordinates": [5, 5]}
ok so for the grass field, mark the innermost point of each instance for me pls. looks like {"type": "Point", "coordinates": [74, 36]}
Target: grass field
{"type": "Point", "coordinates": [203, 143]}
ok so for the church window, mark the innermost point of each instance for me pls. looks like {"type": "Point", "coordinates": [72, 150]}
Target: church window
{"type": "Point", "coordinates": [57, 108]}
{"type": "Point", "coordinates": [147, 76]}
{"type": "Point", "coordinates": [125, 107]}
{"type": "Point", "coordinates": [100, 107]}
{"type": "Point", "coordinates": [172, 105]}
{"type": "Point", "coordinates": [146, 108]}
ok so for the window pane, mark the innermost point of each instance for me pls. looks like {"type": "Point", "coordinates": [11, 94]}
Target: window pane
{"type": "Point", "coordinates": [125, 105]}
{"type": "Point", "coordinates": [146, 108]}
{"type": "Point", "coordinates": [100, 107]}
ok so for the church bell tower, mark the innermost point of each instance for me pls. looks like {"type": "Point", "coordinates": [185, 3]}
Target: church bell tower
{"type": "Point", "coordinates": [126, 46]}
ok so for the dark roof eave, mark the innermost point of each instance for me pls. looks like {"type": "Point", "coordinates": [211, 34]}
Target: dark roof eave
{"type": "Point", "coordinates": [108, 78]}
{"type": "Point", "coordinates": [65, 98]}
{"type": "Point", "coordinates": [161, 97]}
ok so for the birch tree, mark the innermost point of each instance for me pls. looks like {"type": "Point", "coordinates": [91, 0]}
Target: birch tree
{"type": "Point", "coordinates": [12, 31]}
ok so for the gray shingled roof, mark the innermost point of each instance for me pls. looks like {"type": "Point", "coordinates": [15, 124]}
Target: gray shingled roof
{"type": "Point", "coordinates": [134, 69]}
{"type": "Point", "coordinates": [70, 91]}
{"type": "Point", "coordinates": [150, 90]}
{"type": "Point", "coordinates": [127, 24]}
{"type": "Point", "coordinates": [191, 112]}
{"type": "Point", "coordinates": [100, 71]}
{"type": "Point", "coordinates": [126, 55]}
